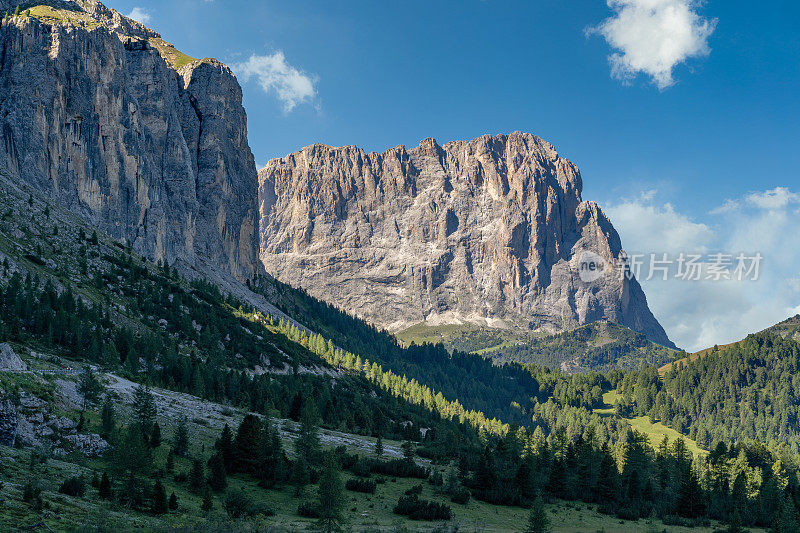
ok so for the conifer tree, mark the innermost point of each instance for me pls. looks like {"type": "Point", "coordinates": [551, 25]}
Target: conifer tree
{"type": "Point", "coordinates": [158, 502]}
{"type": "Point", "coordinates": [379, 446]}
{"type": "Point", "coordinates": [180, 441]}
{"type": "Point", "coordinates": [155, 436]}
{"type": "Point", "coordinates": [224, 445]}
{"type": "Point", "coordinates": [104, 489]}
{"type": "Point", "coordinates": [246, 445]}
{"type": "Point", "coordinates": [108, 420]}
{"type": "Point", "coordinates": [144, 408]}
{"type": "Point", "coordinates": [330, 502]}
{"type": "Point", "coordinates": [197, 477]}
{"type": "Point", "coordinates": [271, 457]}
{"type": "Point", "coordinates": [538, 521]}
{"type": "Point", "coordinates": [296, 407]}
{"type": "Point", "coordinates": [408, 450]}
{"type": "Point", "coordinates": [217, 477]}
{"type": "Point", "coordinates": [307, 444]}
{"type": "Point", "coordinates": [173, 502]}
{"type": "Point", "coordinates": [89, 387]}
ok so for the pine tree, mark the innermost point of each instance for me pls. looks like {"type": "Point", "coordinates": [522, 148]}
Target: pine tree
{"type": "Point", "coordinates": [133, 460]}
{"type": "Point", "coordinates": [271, 457]}
{"type": "Point", "coordinates": [246, 445]}
{"type": "Point", "coordinates": [173, 502]}
{"type": "Point", "coordinates": [691, 500]}
{"type": "Point", "coordinates": [606, 488]}
{"type": "Point", "coordinates": [408, 450]}
{"type": "Point", "coordinates": [330, 502]}
{"type": "Point", "coordinates": [217, 477]}
{"type": "Point", "coordinates": [379, 446]}
{"type": "Point", "coordinates": [224, 446]}
{"type": "Point", "coordinates": [307, 444]}
{"type": "Point", "coordinates": [296, 408]}
{"type": "Point", "coordinates": [197, 478]}
{"type": "Point", "coordinates": [89, 387]}
{"type": "Point", "coordinates": [180, 442]}
{"type": "Point", "coordinates": [108, 418]}
{"type": "Point", "coordinates": [144, 408]}
{"type": "Point", "coordinates": [158, 502]}
{"type": "Point", "coordinates": [787, 520]}
{"type": "Point", "coordinates": [169, 466]}
{"type": "Point", "coordinates": [300, 475]}
{"type": "Point", "coordinates": [155, 436]}
{"type": "Point", "coordinates": [104, 489]}
{"type": "Point", "coordinates": [538, 522]}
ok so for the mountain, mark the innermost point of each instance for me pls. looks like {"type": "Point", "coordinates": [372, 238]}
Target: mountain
{"type": "Point", "coordinates": [491, 231]}
{"type": "Point", "coordinates": [600, 346]}
{"type": "Point", "coordinates": [144, 142]}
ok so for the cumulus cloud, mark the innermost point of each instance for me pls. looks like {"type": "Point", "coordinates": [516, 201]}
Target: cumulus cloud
{"type": "Point", "coordinates": [140, 14]}
{"type": "Point", "coordinates": [652, 37]}
{"type": "Point", "coordinates": [701, 313]}
{"type": "Point", "coordinates": [291, 85]}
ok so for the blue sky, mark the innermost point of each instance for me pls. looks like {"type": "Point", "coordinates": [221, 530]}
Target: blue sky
{"type": "Point", "coordinates": [663, 139]}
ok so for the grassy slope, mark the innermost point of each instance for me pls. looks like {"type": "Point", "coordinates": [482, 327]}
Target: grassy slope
{"type": "Point", "coordinates": [654, 431]}
{"type": "Point", "coordinates": [364, 512]}
{"type": "Point", "coordinates": [171, 55]}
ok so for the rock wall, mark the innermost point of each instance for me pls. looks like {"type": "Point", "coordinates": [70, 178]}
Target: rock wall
{"type": "Point", "coordinates": [490, 231]}
{"type": "Point", "coordinates": [93, 115]}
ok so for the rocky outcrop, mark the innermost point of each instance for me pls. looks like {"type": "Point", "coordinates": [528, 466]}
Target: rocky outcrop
{"type": "Point", "coordinates": [9, 360]}
{"type": "Point", "coordinates": [491, 230]}
{"type": "Point", "coordinates": [144, 147]}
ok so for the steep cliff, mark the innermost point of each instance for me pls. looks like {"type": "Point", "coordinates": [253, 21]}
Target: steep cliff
{"type": "Point", "coordinates": [490, 231]}
{"type": "Point", "coordinates": [142, 141]}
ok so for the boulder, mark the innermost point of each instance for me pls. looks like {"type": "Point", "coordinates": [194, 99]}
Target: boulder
{"type": "Point", "coordinates": [9, 360]}
{"type": "Point", "coordinates": [90, 445]}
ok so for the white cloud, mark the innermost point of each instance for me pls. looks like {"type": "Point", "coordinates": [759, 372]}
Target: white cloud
{"type": "Point", "coordinates": [273, 73]}
{"type": "Point", "coordinates": [140, 14]}
{"type": "Point", "coordinates": [698, 314]}
{"type": "Point", "coordinates": [646, 223]}
{"type": "Point", "coordinates": [777, 198]}
{"type": "Point", "coordinates": [652, 37]}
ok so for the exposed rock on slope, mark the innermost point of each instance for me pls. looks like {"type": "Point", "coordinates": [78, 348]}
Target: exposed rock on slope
{"type": "Point", "coordinates": [489, 230]}
{"type": "Point", "coordinates": [145, 147]}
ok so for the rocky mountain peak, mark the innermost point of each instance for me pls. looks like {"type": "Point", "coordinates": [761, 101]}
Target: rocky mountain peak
{"type": "Point", "coordinates": [136, 137]}
{"type": "Point", "coordinates": [489, 230]}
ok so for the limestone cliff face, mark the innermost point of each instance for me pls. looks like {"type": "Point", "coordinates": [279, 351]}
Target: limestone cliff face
{"type": "Point", "coordinates": [94, 115]}
{"type": "Point", "coordinates": [490, 230]}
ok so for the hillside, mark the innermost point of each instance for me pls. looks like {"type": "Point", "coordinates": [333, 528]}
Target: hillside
{"type": "Point", "coordinates": [787, 329]}
{"type": "Point", "coordinates": [73, 299]}
{"type": "Point", "coordinates": [600, 346]}
{"type": "Point", "coordinates": [742, 392]}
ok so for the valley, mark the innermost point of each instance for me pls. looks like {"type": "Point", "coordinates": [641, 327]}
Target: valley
{"type": "Point", "coordinates": [445, 337]}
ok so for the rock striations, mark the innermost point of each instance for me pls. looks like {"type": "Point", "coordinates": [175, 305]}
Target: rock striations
{"type": "Point", "coordinates": [143, 142]}
{"type": "Point", "coordinates": [490, 231]}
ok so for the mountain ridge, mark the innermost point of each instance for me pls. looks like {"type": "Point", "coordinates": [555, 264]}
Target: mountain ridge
{"type": "Point", "coordinates": [490, 230]}
{"type": "Point", "coordinates": [95, 116]}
